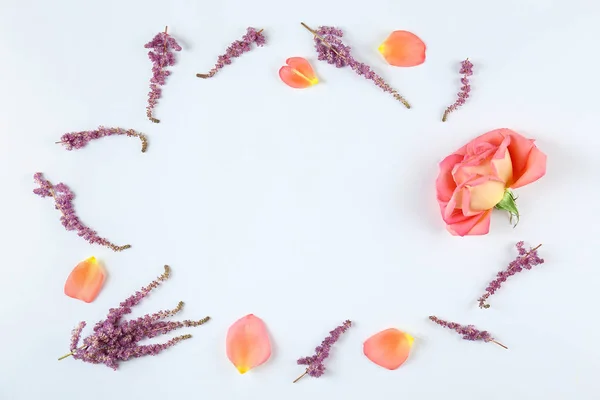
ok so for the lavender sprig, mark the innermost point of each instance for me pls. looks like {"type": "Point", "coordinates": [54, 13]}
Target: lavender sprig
{"type": "Point", "coordinates": [161, 57]}
{"type": "Point", "coordinates": [114, 341]}
{"type": "Point", "coordinates": [236, 49]}
{"type": "Point", "coordinates": [466, 70]}
{"type": "Point", "coordinates": [63, 199]}
{"type": "Point", "coordinates": [525, 260]}
{"type": "Point", "coordinates": [78, 140]}
{"type": "Point", "coordinates": [330, 48]}
{"type": "Point", "coordinates": [315, 367]}
{"type": "Point", "coordinates": [468, 332]}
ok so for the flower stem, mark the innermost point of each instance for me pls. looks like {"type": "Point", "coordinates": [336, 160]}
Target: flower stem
{"type": "Point", "coordinates": [71, 353]}
{"type": "Point", "coordinates": [500, 344]}
{"type": "Point", "coordinates": [65, 356]}
{"type": "Point", "coordinates": [301, 376]}
{"type": "Point", "coordinates": [445, 116]}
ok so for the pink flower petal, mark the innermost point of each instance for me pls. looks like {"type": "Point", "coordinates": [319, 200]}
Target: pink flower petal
{"type": "Point", "coordinates": [403, 49]}
{"type": "Point", "coordinates": [298, 73]}
{"type": "Point", "coordinates": [248, 343]}
{"type": "Point", "coordinates": [85, 281]}
{"type": "Point", "coordinates": [389, 348]}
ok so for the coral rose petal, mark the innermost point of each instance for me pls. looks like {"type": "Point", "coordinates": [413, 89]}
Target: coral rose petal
{"type": "Point", "coordinates": [529, 163]}
{"type": "Point", "coordinates": [459, 225]}
{"type": "Point", "coordinates": [503, 162]}
{"type": "Point", "coordinates": [403, 49]}
{"type": "Point", "coordinates": [86, 280]}
{"type": "Point", "coordinates": [298, 73]}
{"type": "Point", "coordinates": [445, 184]}
{"type": "Point", "coordinates": [248, 343]}
{"type": "Point", "coordinates": [534, 170]}
{"type": "Point", "coordinates": [389, 348]}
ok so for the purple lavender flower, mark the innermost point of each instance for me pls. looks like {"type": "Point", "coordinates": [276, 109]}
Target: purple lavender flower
{"type": "Point", "coordinates": [236, 49]}
{"type": "Point", "coordinates": [466, 70]}
{"type": "Point", "coordinates": [63, 199]}
{"type": "Point", "coordinates": [468, 332]}
{"type": "Point", "coordinates": [161, 57]}
{"type": "Point", "coordinates": [315, 367]}
{"type": "Point", "coordinates": [78, 140]}
{"type": "Point", "coordinates": [525, 260]}
{"type": "Point", "coordinates": [114, 340]}
{"type": "Point", "coordinates": [330, 48]}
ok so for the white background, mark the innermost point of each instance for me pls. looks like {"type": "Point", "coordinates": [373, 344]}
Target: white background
{"type": "Point", "coordinates": [303, 207]}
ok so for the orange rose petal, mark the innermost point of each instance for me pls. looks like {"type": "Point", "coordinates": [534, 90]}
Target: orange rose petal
{"type": "Point", "coordinates": [298, 73]}
{"type": "Point", "coordinates": [248, 343]}
{"type": "Point", "coordinates": [86, 280]}
{"type": "Point", "coordinates": [388, 348]}
{"type": "Point", "coordinates": [403, 49]}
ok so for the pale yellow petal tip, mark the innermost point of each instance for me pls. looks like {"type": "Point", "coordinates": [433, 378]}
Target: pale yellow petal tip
{"type": "Point", "coordinates": [314, 81]}
{"type": "Point", "coordinates": [410, 339]}
{"type": "Point", "coordinates": [381, 48]}
{"type": "Point", "coordinates": [243, 369]}
{"type": "Point", "coordinates": [92, 259]}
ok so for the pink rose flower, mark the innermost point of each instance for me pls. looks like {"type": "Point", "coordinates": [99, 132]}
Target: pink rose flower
{"type": "Point", "coordinates": [477, 177]}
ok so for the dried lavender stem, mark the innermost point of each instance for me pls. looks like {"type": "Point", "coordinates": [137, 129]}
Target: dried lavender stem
{"type": "Point", "coordinates": [466, 70]}
{"type": "Point", "coordinates": [236, 49]}
{"type": "Point", "coordinates": [327, 41]}
{"type": "Point", "coordinates": [179, 306]}
{"type": "Point", "coordinates": [77, 140]}
{"type": "Point", "coordinates": [301, 376]}
{"type": "Point", "coordinates": [482, 300]}
{"type": "Point", "coordinates": [500, 344]}
{"type": "Point", "coordinates": [322, 39]}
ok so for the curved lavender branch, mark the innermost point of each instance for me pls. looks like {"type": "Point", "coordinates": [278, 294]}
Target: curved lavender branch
{"type": "Point", "coordinates": [114, 341]}
{"type": "Point", "coordinates": [78, 140]}
{"type": "Point", "coordinates": [161, 57]}
{"type": "Point", "coordinates": [525, 260]}
{"type": "Point", "coordinates": [63, 199]}
{"type": "Point", "coordinates": [466, 70]}
{"type": "Point", "coordinates": [468, 332]}
{"type": "Point", "coordinates": [236, 49]}
{"type": "Point", "coordinates": [315, 367]}
{"type": "Point", "coordinates": [330, 48]}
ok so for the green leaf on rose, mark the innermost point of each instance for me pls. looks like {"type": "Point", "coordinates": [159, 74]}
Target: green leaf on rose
{"type": "Point", "coordinates": [508, 203]}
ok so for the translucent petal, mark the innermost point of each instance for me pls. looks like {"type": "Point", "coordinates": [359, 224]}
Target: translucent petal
{"type": "Point", "coordinates": [389, 348]}
{"type": "Point", "coordinates": [298, 73]}
{"type": "Point", "coordinates": [86, 280]}
{"type": "Point", "coordinates": [403, 49]}
{"type": "Point", "coordinates": [248, 343]}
